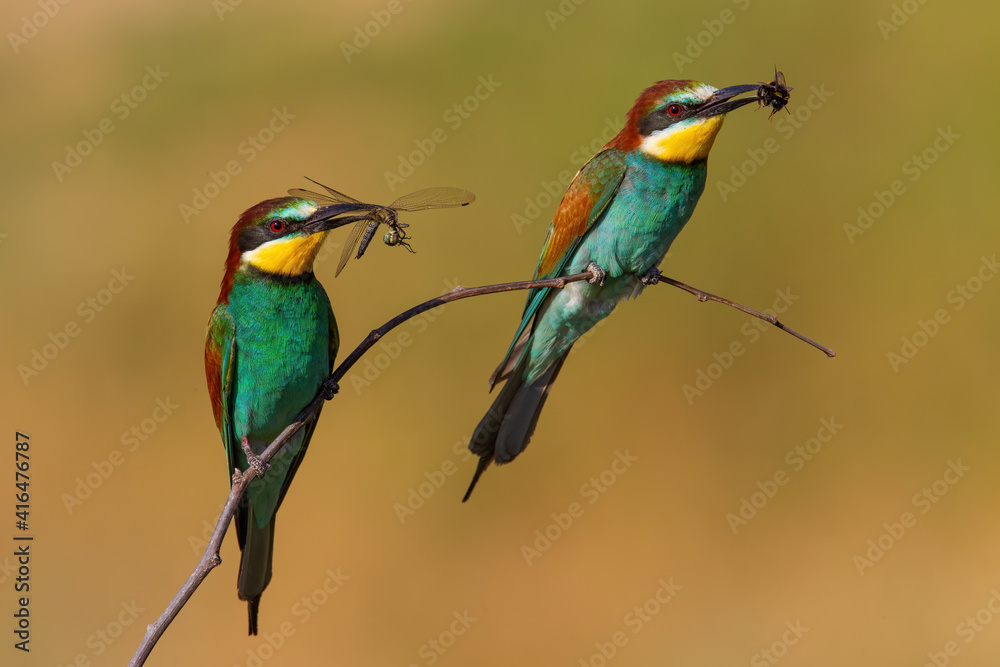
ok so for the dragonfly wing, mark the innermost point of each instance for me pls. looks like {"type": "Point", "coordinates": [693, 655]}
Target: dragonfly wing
{"type": "Point", "coordinates": [332, 196]}
{"type": "Point", "coordinates": [433, 198]}
{"type": "Point", "coordinates": [336, 194]}
{"type": "Point", "coordinates": [324, 200]}
{"type": "Point", "coordinates": [352, 240]}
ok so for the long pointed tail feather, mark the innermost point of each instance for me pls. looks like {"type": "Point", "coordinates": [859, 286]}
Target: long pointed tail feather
{"type": "Point", "coordinates": [255, 565]}
{"type": "Point", "coordinates": [481, 467]}
{"type": "Point", "coordinates": [506, 429]}
{"type": "Point", "coordinates": [253, 606]}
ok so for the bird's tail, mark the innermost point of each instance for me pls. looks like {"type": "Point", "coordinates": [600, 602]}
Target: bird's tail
{"type": "Point", "coordinates": [255, 565]}
{"type": "Point", "coordinates": [507, 427]}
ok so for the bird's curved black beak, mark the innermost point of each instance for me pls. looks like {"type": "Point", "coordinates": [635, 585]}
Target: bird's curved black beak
{"type": "Point", "coordinates": [327, 217]}
{"type": "Point", "coordinates": [725, 100]}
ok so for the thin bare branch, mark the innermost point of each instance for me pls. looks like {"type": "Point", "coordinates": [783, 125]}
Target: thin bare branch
{"type": "Point", "coordinates": [707, 296]}
{"type": "Point", "coordinates": [241, 480]}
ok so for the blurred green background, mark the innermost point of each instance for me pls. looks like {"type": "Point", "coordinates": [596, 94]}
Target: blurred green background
{"type": "Point", "coordinates": [273, 92]}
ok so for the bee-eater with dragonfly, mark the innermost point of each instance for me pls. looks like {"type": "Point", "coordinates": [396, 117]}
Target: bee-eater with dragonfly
{"type": "Point", "coordinates": [618, 218]}
{"type": "Point", "coordinates": [271, 343]}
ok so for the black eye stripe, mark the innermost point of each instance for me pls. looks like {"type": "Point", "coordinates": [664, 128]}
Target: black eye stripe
{"type": "Point", "coordinates": [661, 118]}
{"type": "Point", "coordinates": [256, 235]}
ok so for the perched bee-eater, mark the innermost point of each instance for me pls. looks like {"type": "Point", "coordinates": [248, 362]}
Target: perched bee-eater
{"type": "Point", "coordinates": [270, 347]}
{"type": "Point", "coordinates": [618, 218]}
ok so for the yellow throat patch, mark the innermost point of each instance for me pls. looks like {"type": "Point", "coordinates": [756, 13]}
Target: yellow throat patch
{"type": "Point", "coordinates": [290, 256]}
{"type": "Point", "coordinates": [683, 142]}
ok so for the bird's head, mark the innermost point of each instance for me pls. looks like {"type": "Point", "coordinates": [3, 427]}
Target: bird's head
{"type": "Point", "coordinates": [279, 237]}
{"type": "Point", "coordinates": [677, 121]}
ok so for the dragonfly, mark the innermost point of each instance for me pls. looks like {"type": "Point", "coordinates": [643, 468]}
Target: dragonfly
{"type": "Point", "coordinates": [373, 215]}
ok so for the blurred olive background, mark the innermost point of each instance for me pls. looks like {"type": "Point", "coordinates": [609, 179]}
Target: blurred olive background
{"type": "Point", "coordinates": [104, 245]}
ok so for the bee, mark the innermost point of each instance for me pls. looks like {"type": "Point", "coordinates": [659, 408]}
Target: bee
{"type": "Point", "coordinates": [774, 94]}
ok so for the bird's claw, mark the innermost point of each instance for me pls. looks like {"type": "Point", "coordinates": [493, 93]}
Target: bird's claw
{"type": "Point", "coordinates": [330, 388]}
{"type": "Point", "coordinates": [599, 274]}
{"type": "Point", "coordinates": [258, 465]}
{"type": "Point", "coordinates": [253, 460]}
{"type": "Point", "coordinates": [650, 277]}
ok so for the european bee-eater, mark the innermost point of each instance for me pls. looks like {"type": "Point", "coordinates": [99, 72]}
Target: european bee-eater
{"type": "Point", "coordinates": [271, 342]}
{"type": "Point", "coordinates": [618, 218]}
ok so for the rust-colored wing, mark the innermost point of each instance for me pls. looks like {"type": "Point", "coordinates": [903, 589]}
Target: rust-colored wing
{"type": "Point", "coordinates": [587, 197]}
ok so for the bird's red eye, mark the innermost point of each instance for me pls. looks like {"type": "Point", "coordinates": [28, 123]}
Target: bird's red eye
{"type": "Point", "coordinates": [277, 226]}
{"type": "Point", "coordinates": [674, 110]}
